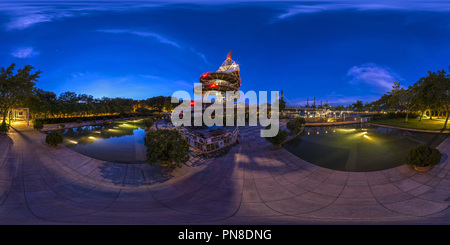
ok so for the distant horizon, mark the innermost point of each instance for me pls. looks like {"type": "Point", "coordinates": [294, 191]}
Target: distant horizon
{"type": "Point", "coordinates": [340, 51]}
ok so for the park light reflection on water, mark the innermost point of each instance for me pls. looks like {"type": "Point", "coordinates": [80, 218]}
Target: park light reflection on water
{"type": "Point", "coordinates": [121, 142]}
{"type": "Point", "coordinates": [358, 148]}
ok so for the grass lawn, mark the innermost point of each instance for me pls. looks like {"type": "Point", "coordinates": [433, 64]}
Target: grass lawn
{"type": "Point", "coordinates": [426, 123]}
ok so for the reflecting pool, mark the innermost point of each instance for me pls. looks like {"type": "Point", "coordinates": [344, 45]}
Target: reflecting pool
{"type": "Point", "coordinates": [120, 141]}
{"type": "Point", "coordinates": [358, 148]}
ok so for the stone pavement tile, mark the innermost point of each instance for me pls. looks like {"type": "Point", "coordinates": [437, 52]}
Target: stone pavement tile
{"type": "Point", "coordinates": [261, 173]}
{"type": "Point", "coordinates": [416, 207]}
{"type": "Point", "coordinates": [208, 208]}
{"type": "Point", "coordinates": [187, 185]}
{"type": "Point", "coordinates": [274, 193]}
{"type": "Point", "coordinates": [36, 185]}
{"type": "Point", "coordinates": [357, 179]}
{"type": "Point", "coordinates": [250, 192]}
{"type": "Point", "coordinates": [405, 170]}
{"type": "Point", "coordinates": [422, 189]}
{"type": "Point", "coordinates": [17, 184]}
{"type": "Point", "coordinates": [61, 209]}
{"type": "Point", "coordinates": [91, 201]}
{"type": "Point", "coordinates": [268, 182]}
{"type": "Point", "coordinates": [166, 192]}
{"type": "Point", "coordinates": [232, 183]}
{"type": "Point", "coordinates": [441, 174]}
{"type": "Point", "coordinates": [357, 201]}
{"type": "Point", "coordinates": [101, 193]}
{"type": "Point", "coordinates": [332, 190]}
{"type": "Point", "coordinates": [422, 178]}
{"type": "Point", "coordinates": [225, 195]}
{"type": "Point", "coordinates": [15, 211]}
{"type": "Point", "coordinates": [313, 196]}
{"type": "Point", "coordinates": [309, 167]}
{"type": "Point", "coordinates": [407, 184]}
{"type": "Point", "coordinates": [43, 196]}
{"type": "Point", "coordinates": [307, 184]}
{"type": "Point", "coordinates": [356, 192]}
{"type": "Point", "coordinates": [295, 189]}
{"type": "Point", "coordinates": [295, 175]}
{"type": "Point", "coordinates": [202, 179]}
{"type": "Point", "coordinates": [444, 184]}
{"type": "Point", "coordinates": [354, 212]}
{"type": "Point", "coordinates": [394, 175]}
{"type": "Point", "coordinates": [434, 181]}
{"type": "Point", "coordinates": [382, 190]}
{"type": "Point", "coordinates": [14, 197]}
{"type": "Point", "coordinates": [319, 175]}
{"type": "Point", "coordinates": [280, 179]}
{"type": "Point", "coordinates": [296, 206]}
{"type": "Point", "coordinates": [376, 178]}
{"type": "Point", "coordinates": [337, 178]}
{"type": "Point", "coordinates": [395, 198]}
{"type": "Point", "coordinates": [436, 194]}
{"type": "Point", "coordinates": [255, 209]}
{"type": "Point", "coordinates": [145, 204]}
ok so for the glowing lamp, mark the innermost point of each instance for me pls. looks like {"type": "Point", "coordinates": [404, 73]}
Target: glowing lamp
{"type": "Point", "coordinates": [205, 75]}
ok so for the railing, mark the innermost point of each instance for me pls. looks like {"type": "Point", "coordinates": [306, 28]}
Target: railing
{"type": "Point", "coordinates": [208, 145]}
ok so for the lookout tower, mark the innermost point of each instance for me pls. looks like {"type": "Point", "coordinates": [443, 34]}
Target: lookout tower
{"type": "Point", "coordinates": [226, 78]}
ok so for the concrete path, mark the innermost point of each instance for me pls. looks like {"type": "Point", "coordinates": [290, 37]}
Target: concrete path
{"type": "Point", "coordinates": [254, 183]}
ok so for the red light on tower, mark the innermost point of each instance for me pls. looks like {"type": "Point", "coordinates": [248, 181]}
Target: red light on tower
{"type": "Point", "coordinates": [205, 75]}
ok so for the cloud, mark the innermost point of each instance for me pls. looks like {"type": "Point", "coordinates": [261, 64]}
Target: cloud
{"type": "Point", "coordinates": [27, 14]}
{"type": "Point", "coordinates": [379, 77]}
{"type": "Point", "coordinates": [202, 56]}
{"type": "Point", "coordinates": [293, 9]}
{"type": "Point", "coordinates": [25, 52]}
{"type": "Point", "coordinates": [158, 37]}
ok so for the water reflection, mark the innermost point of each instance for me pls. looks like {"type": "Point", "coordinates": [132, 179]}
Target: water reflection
{"type": "Point", "coordinates": [358, 147]}
{"type": "Point", "coordinates": [121, 142]}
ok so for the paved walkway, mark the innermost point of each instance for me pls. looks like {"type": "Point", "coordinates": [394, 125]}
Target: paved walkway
{"type": "Point", "coordinates": [255, 183]}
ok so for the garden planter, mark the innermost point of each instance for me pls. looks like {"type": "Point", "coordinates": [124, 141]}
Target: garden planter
{"type": "Point", "coordinates": [422, 169]}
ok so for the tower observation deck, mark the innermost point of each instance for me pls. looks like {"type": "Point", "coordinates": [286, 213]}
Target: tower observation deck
{"type": "Point", "coordinates": [226, 78]}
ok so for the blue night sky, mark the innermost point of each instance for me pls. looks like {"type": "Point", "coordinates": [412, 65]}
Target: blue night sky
{"type": "Point", "coordinates": [338, 51]}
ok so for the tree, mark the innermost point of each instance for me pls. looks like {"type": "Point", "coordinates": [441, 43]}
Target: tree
{"type": "Point", "coordinates": [148, 122]}
{"type": "Point", "coordinates": [54, 138]}
{"type": "Point", "coordinates": [368, 106]}
{"type": "Point", "coordinates": [435, 91]}
{"type": "Point", "coordinates": [340, 107]}
{"type": "Point", "coordinates": [296, 125]}
{"type": "Point", "coordinates": [281, 105]}
{"type": "Point", "coordinates": [405, 98]}
{"type": "Point", "coordinates": [358, 106]}
{"type": "Point", "coordinates": [166, 148]}
{"type": "Point", "coordinates": [15, 87]}
{"type": "Point", "coordinates": [277, 139]}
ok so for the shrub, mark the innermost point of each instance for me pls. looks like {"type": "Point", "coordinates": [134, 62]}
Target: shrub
{"type": "Point", "coordinates": [422, 156]}
{"type": "Point", "coordinates": [166, 148]}
{"type": "Point", "coordinates": [36, 120]}
{"type": "Point", "coordinates": [296, 125]}
{"type": "Point", "coordinates": [4, 128]}
{"type": "Point", "coordinates": [279, 138]}
{"type": "Point", "coordinates": [144, 111]}
{"type": "Point", "coordinates": [148, 122]}
{"type": "Point", "coordinates": [38, 125]}
{"type": "Point", "coordinates": [54, 138]}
